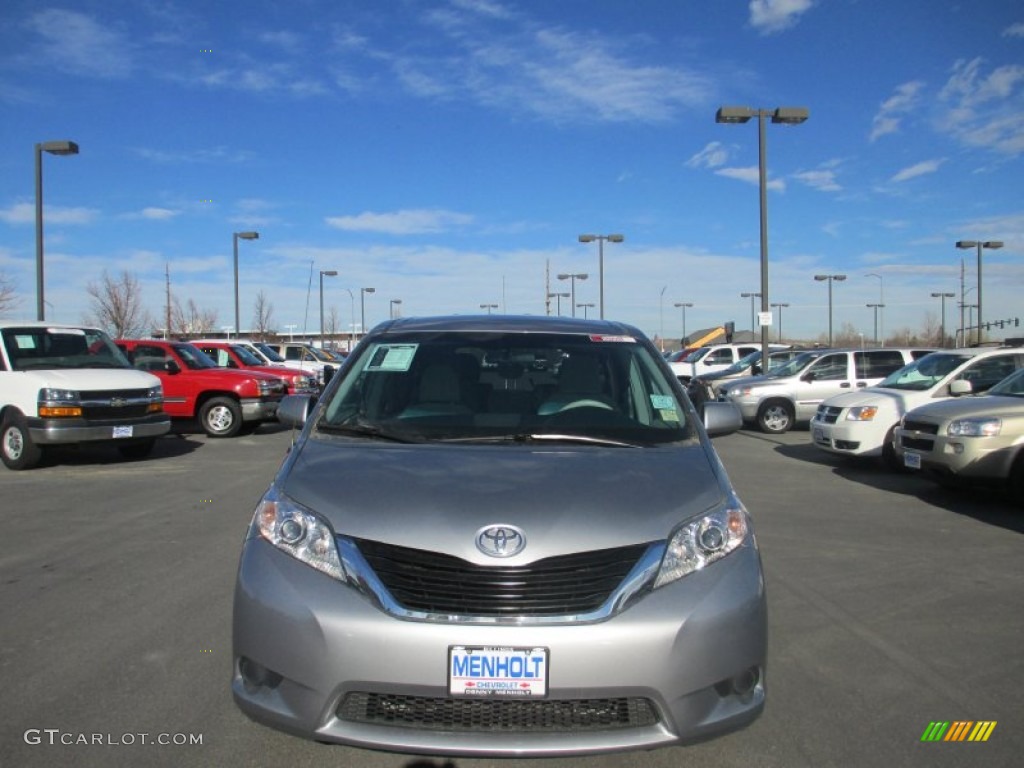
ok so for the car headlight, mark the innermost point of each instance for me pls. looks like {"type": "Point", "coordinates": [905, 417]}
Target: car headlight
{"type": "Point", "coordinates": [703, 541]}
{"type": "Point", "coordinates": [739, 392]}
{"type": "Point", "coordinates": [980, 427]}
{"type": "Point", "coordinates": [59, 403]}
{"type": "Point", "coordinates": [862, 413]}
{"type": "Point", "coordinates": [299, 533]}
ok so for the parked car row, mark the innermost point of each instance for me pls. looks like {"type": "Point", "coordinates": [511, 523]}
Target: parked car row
{"type": "Point", "coordinates": [957, 415]}
{"type": "Point", "coordinates": [74, 385]}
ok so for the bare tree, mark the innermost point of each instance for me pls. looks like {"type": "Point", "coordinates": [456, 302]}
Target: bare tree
{"type": "Point", "coordinates": [331, 323]}
{"type": "Point", "coordinates": [8, 297]}
{"type": "Point", "coordinates": [117, 306]}
{"type": "Point", "coordinates": [191, 320]}
{"type": "Point", "coordinates": [263, 316]}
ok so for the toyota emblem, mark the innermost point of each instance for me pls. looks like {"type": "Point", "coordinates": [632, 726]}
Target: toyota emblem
{"type": "Point", "coordinates": [500, 540]}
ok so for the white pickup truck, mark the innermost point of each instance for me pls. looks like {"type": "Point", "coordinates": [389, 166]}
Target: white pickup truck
{"type": "Point", "coordinates": [70, 385]}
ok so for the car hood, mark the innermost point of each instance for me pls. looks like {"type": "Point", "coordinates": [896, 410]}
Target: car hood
{"type": "Point", "coordinates": [869, 396]}
{"type": "Point", "coordinates": [90, 379]}
{"type": "Point", "coordinates": [564, 498]}
{"type": "Point", "coordinates": [966, 407]}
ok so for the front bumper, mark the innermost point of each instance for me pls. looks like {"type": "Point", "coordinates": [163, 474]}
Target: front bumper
{"type": "Point", "coordinates": [259, 410]}
{"type": "Point", "coordinates": [73, 431]}
{"type": "Point", "coordinates": [306, 647]}
{"type": "Point", "coordinates": [979, 458]}
{"type": "Point", "coordinates": [853, 438]}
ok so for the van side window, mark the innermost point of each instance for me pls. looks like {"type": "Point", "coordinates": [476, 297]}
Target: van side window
{"type": "Point", "coordinates": [985, 373]}
{"type": "Point", "coordinates": [830, 368]}
{"type": "Point", "coordinates": [877, 363]}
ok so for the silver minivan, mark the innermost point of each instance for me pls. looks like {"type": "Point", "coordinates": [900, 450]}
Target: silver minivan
{"type": "Point", "coordinates": [501, 536]}
{"type": "Point", "coordinates": [791, 394]}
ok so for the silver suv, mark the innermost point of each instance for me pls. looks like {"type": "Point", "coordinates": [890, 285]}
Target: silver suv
{"type": "Point", "coordinates": [790, 395]}
{"type": "Point", "coordinates": [478, 546]}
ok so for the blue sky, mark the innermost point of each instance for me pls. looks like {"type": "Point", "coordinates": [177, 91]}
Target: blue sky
{"type": "Point", "coordinates": [448, 153]}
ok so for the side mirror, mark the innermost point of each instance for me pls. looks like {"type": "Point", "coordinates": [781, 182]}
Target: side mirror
{"type": "Point", "coordinates": [328, 374]}
{"type": "Point", "coordinates": [808, 377]}
{"type": "Point", "coordinates": [293, 410]}
{"type": "Point", "coordinates": [960, 387]}
{"type": "Point", "coordinates": [172, 367]}
{"type": "Point", "coordinates": [721, 418]}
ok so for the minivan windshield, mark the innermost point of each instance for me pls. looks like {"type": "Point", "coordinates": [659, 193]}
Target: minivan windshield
{"type": "Point", "coordinates": [794, 366]}
{"type": "Point", "coordinates": [494, 386]}
{"type": "Point", "coordinates": [925, 372]}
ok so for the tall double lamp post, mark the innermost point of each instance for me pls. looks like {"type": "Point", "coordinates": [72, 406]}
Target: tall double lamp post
{"type": "Point", "coordinates": [980, 245]}
{"type": "Point", "coordinates": [328, 273]}
{"type": "Point", "coordinates": [831, 279]}
{"type": "Point", "coordinates": [600, 261]}
{"type": "Point", "coordinates": [234, 241]}
{"type": "Point", "coordinates": [785, 116]}
{"type": "Point", "coordinates": [52, 148]}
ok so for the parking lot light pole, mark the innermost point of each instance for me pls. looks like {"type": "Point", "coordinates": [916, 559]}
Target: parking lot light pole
{"type": "Point", "coordinates": [880, 319]}
{"type": "Point", "coordinates": [585, 307]}
{"type": "Point", "coordinates": [780, 306]}
{"type": "Point", "coordinates": [979, 244]}
{"type": "Point", "coordinates": [600, 260]}
{"type": "Point", "coordinates": [329, 273]}
{"type": "Point", "coordinates": [830, 279]}
{"type": "Point", "coordinates": [573, 277]}
{"type": "Point", "coordinates": [751, 296]}
{"type": "Point", "coordinates": [558, 297]}
{"type": "Point", "coordinates": [488, 307]}
{"type": "Point", "coordinates": [785, 116]}
{"type": "Point", "coordinates": [942, 296]}
{"type": "Point", "coordinates": [362, 308]}
{"type": "Point", "coordinates": [876, 307]}
{"type": "Point", "coordinates": [683, 305]}
{"type": "Point", "coordinates": [391, 309]}
{"type": "Point", "coordinates": [234, 240]}
{"type": "Point", "coordinates": [53, 148]}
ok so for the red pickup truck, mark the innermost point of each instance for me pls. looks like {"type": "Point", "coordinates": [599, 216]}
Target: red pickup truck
{"type": "Point", "coordinates": [195, 388]}
{"type": "Point", "coordinates": [237, 356]}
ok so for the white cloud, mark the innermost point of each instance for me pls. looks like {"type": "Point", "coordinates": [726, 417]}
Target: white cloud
{"type": "Point", "coordinates": [823, 179]}
{"type": "Point", "coordinates": [405, 222]}
{"type": "Point", "coordinates": [713, 155]}
{"type": "Point", "coordinates": [751, 175]}
{"type": "Point", "coordinates": [1014, 30]}
{"type": "Point", "coordinates": [189, 156]}
{"type": "Point", "coordinates": [25, 213]}
{"type": "Point", "coordinates": [985, 110]}
{"type": "Point", "coordinates": [154, 213]}
{"type": "Point", "coordinates": [890, 115]}
{"type": "Point", "coordinates": [918, 169]}
{"type": "Point", "coordinates": [75, 43]}
{"type": "Point", "coordinates": [770, 16]}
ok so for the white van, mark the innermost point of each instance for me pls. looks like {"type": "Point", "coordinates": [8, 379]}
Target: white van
{"type": "Point", "coordinates": [70, 385]}
{"type": "Point", "coordinates": [718, 357]}
{"type": "Point", "coordinates": [792, 392]}
{"type": "Point", "coordinates": [864, 423]}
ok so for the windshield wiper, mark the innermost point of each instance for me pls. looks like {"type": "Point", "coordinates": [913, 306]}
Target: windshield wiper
{"type": "Point", "coordinates": [366, 430]}
{"type": "Point", "coordinates": [525, 437]}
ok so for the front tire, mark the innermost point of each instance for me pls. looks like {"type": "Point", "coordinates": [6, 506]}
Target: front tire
{"type": "Point", "coordinates": [221, 417]}
{"type": "Point", "coordinates": [775, 417]}
{"type": "Point", "coordinates": [17, 450]}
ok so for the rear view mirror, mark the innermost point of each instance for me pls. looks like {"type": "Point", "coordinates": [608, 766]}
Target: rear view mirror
{"type": "Point", "coordinates": [721, 418]}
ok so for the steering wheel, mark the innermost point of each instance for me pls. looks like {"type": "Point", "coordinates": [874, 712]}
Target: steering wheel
{"type": "Point", "coordinates": [585, 404]}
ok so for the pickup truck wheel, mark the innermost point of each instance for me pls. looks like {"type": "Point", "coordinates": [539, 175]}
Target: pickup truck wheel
{"type": "Point", "coordinates": [775, 417]}
{"type": "Point", "coordinates": [220, 417]}
{"type": "Point", "coordinates": [16, 447]}
{"type": "Point", "coordinates": [139, 450]}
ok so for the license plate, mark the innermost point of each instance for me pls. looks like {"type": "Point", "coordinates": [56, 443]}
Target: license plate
{"type": "Point", "coordinates": [122, 431]}
{"type": "Point", "coordinates": [912, 460]}
{"type": "Point", "coordinates": [492, 671]}
{"type": "Point", "coordinates": [819, 436]}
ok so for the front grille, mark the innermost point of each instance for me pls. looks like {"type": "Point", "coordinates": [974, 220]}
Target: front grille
{"type": "Point", "coordinates": [558, 586]}
{"type": "Point", "coordinates": [917, 443]}
{"type": "Point", "coordinates": [498, 713]}
{"type": "Point", "coordinates": [828, 414]}
{"type": "Point", "coordinates": [97, 405]}
{"type": "Point", "coordinates": [921, 426]}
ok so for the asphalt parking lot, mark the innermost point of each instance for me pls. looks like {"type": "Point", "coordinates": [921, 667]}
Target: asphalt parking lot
{"type": "Point", "coordinates": [892, 604]}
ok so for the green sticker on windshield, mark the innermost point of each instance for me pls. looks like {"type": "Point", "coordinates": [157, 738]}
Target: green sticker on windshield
{"type": "Point", "coordinates": [663, 402]}
{"type": "Point", "coordinates": [392, 357]}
